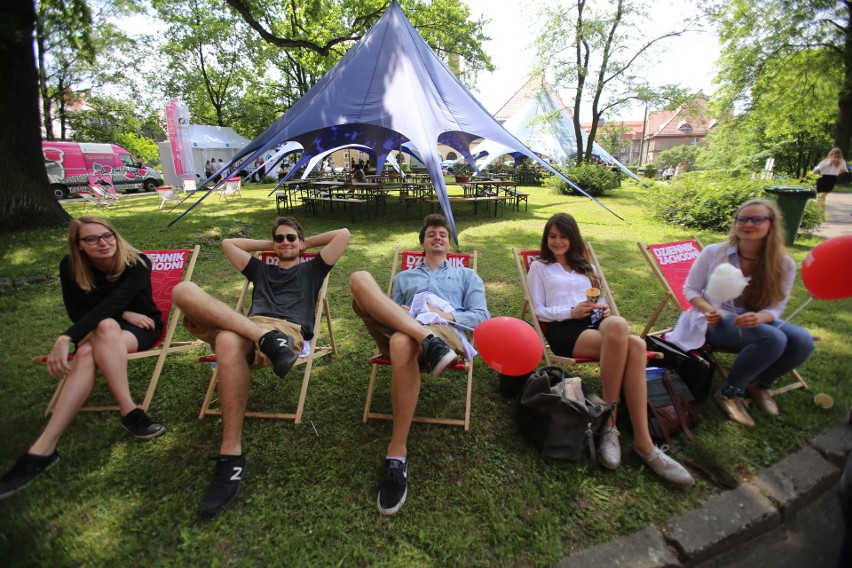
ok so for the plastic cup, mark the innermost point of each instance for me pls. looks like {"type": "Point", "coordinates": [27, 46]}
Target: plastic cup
{"type": "Point", "coordinates": [823, 400]}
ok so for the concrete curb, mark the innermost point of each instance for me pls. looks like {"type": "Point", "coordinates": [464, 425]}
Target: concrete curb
{"type": "Point", "coordinates": [732, 517]}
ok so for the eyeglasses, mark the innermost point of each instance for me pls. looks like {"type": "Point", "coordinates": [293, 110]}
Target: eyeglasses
{"type": "Point", "coordinates": [756, 219]}
{"type": "Point", "coordinates": [92, 240]}
{"type": "Point", "coordinates": [291, 238]}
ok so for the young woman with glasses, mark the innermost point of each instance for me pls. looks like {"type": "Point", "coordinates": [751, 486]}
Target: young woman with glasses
{"type": "Point", "coordinates": [560, 284]}
{"type": "Point", "coordinates": [766, 347]}
{"type": "Point", "coordinates": [106, 288]}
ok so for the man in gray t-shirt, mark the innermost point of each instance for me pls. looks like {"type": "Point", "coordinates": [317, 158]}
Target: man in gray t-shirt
{"type": "Point", "coordinates": [280, 320]}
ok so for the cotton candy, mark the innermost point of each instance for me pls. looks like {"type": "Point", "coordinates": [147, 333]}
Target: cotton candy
{"type": "Point", "coordinates": [726, 283]}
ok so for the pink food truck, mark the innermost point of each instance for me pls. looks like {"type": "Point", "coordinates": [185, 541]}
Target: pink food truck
{"type": "Point", "coordinates": [72, 166]}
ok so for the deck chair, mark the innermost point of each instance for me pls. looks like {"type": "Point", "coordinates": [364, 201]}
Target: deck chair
{"type": "Point", "coordinates": [523, 259]}
{"type": "Point", "coordinates": [104, 185]}
{"type": "Point", "coordinates": [671, 263]}
{"type": "Point", "coordinates": [166, 193]}
{"type": "Point", "coordinates": [406, 260]}
{"type": "Point", "coordinates": [231, 189]}
{"type": "Point", "coordinates": [316, 351]}
{"type": "Point", "coordinates": [188, 185]}
{"type": "Point", "coordinates": [101, 195]}
{"type": "Point", "coordinates": [93, 200]}
{"type": "Point", "coordinates": [169, 268]}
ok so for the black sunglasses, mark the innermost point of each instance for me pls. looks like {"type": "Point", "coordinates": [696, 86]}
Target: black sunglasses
{"type": "Point", "coordinates": [291, 238]}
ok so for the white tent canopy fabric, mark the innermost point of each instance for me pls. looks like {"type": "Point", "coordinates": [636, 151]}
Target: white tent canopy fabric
{"type": "Point", "coordinates": [389, 89]}
{"type": "Point", "coordinates": [547, 128]}
{"type": "Point", "coordinates": [205, 137]}
{"type": "Point", "coordinates": [205, 142]}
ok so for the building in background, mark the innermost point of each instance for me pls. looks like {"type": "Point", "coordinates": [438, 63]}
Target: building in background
{"type": "Point", "coordinates": [665, 129]}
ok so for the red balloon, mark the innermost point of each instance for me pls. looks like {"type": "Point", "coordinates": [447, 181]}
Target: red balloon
{"type": "Point", "coordinates": [508, 345]}
{"type": "Point", "coordinates": [827, 270]}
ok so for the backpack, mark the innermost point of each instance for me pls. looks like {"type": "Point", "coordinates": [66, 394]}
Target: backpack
{"type": "Point", "coordinates": [694, 367]}
{"type": "Point", "coordinates": [671, 405]}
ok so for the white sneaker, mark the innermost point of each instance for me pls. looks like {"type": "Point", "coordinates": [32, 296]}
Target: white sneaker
{"type": "Point", "coordinates": [609, 451]}
{"type": "Point", "coordinates": [666, 467]}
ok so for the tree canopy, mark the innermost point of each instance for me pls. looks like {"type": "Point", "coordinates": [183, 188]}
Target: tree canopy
{"type": "Point", "coordinates": [595, 50]}
{"type": "Point", "coordinates": [803, 45]}
{"type": "Point", "coordinates": [240, 64]}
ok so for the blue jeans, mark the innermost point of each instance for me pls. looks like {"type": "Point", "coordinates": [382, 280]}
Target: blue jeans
{"type": "Point", "coordinates": [764, 353]}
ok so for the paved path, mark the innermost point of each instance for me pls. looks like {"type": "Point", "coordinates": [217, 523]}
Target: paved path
{"type": "Point", "coordinates": [786, 516]}
{"type": "Point", "coordinates": [838, 207]}
{"type": "Point", "coordinates": [811, 539]}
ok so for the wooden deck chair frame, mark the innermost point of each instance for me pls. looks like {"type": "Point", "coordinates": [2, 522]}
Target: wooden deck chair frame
{"type": "Point", "coordinates": [523, 259]}
{"type": "Point", "coordinates": [166, 346]}
{"type": "Point", "coordinates": [317, 351]}
{"type": "Point", "coordinates": [689, 248]}
{"type": "Point", "coordinates": [407, 258]}
{"type": "Point", "coordinates": [166, 193]}
{"type": "Point", "coordinates": [103, 185]}
{"type": "Point", "coordinates": [188, 185]}
{"type": "Point", "coordinates": [101, 195]}
{"type": "Point", "coordinates": [94, 200]}
{"type": "Point", "coordinates": [231, 188]}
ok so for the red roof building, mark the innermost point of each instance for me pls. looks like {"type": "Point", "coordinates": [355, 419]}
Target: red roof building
{"type": "Point", "coordinates": [665, 129]}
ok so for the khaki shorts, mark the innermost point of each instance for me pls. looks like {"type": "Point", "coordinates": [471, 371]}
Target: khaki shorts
{"type": "Point", "coordinates": [255, 358]}
{"type": "Point", "coordinates": [382, 333]}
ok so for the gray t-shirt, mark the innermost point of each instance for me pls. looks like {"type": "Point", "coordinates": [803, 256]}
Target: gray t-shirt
{"type": "Point", "coordinates": [287, 293]}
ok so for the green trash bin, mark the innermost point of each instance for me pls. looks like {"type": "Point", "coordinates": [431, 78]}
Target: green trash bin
{"type": "Point", "coordinates": [791, 201]}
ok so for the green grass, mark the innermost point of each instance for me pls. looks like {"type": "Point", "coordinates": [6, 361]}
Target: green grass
{"type": "Point", "coordinates": [478, 498]}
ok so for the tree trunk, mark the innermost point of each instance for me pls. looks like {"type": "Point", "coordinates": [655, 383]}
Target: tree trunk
{"type": "Point", "coordinates": [843, 134]}
{"type": "Point", "coordinates": [26, 201]}
{"type": "Point", "coordinates": [42, 79]}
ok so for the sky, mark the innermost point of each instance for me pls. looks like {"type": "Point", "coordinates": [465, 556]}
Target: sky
{"type": "Point", "coordinates": [688, 61]}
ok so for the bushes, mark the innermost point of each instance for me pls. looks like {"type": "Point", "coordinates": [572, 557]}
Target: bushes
{"type": "Point", "coordinates": [674, 156]}
{"type": "Point", "coordinates": [593, 179]}
{"type": "Point", "coordinates": [812, 218]}
{"type": "Point", "coordinates": [707, 201]}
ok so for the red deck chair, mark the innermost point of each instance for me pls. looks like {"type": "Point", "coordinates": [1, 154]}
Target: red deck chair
{"type": "Point", "coordinates": [169, 268]}
{"type": "Point", "coordinates": [316, 351]}
{"type": "Point", "coordinates": [103, 185]}
{"type": "Point", "coordinates": [671, 263]}
{"type": "Point", "coordinates": [408, 260]}
{"type": "Point", "coordinates": [524, 258]}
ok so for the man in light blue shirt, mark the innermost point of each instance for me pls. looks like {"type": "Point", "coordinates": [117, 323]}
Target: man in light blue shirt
{"type": "Point", "coordinates": [409, 344]}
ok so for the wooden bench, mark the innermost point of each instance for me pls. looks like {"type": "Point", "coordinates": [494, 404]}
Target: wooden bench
{"type": "Point", "coordinates": [519, 196]}
{"type": "Point", "coordinates": [497, 199]}
{"type": "Point", "coordinates": [312, 201]}
{"type": "Point", "coordinates": [283, 197]}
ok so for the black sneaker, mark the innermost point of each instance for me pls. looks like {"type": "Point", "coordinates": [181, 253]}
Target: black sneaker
{"type": "Point", "coordinates": [279, 348]}
{"type": "Point", "coordinates": [226, 484]}
{"type": "Point", "coordinates": [437, 355]}
{"type": "Point", "coordinates": [24, 472]}
{"type": "Point", "coordinates": [140, 425]}
{"type": "Point", "coordinates": [393, 487]}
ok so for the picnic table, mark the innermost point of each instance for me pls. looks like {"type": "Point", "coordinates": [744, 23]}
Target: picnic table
{"type": "Point", "coordinates": [491, 188]}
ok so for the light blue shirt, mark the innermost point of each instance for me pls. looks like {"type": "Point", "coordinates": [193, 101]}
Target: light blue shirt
{"type": "Point", "coordinates": [461, 287]}
{"type": "Point", "coordinates": [714, 255]}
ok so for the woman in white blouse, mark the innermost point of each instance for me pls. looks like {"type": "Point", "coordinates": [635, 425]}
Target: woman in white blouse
{"type": "Point", "coordinates": [829, 169]}
{"type": "Point", "coordinates": [558, 281]}
{"type": "Point", "coordinates": [751, 325]}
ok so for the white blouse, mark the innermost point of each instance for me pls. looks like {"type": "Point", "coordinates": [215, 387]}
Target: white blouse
{"type": "Point", "coordinates": [826, 168]}
{"type": "Point", "coordinates": [555, 291]}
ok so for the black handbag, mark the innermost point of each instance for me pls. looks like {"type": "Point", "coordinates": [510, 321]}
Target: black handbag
{"type": "Point", "coordinates": [560, 428]}
{"type": "Point", "coordinates": [693, 367]}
